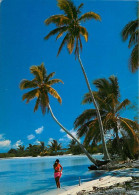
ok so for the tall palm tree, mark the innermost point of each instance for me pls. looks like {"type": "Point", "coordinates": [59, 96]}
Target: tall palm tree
{"type": "Point", "coordinates": [41, 86]}
{"type": "Point", "coordinates": [132, 30]}
{"type": "Point", "coordinates": [108, 99]}
{"type": "Point", "coordinates": [69, 24]}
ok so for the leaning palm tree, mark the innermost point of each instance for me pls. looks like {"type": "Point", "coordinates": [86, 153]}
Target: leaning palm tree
{"type": "Point", "coordinates": [41, 87]}
{"type": "Point", "coordinates": [108, 99]}
{"type": "Point", "coordinates": [69, 24]}
{"type": "Point", "coordinates": [132, 30]}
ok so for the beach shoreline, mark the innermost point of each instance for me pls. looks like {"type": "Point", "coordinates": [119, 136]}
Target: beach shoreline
{"type": "Point", "coordinates": [57, 156]}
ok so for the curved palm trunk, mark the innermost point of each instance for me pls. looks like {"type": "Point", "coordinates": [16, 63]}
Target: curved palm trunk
{"type": "Point", "coordinates": [105, 151]}
{"type": "Point", "coordinates": [76, 140]}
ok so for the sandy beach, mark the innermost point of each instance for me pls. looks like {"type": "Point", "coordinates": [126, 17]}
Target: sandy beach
{"type": "Point", "coordinates": [91, 186]}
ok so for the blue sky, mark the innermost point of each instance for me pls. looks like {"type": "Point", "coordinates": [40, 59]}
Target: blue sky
{"type": "Point", "coordinates": [22, 30]}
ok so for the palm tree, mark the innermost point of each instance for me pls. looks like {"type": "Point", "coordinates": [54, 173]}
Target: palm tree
{"type": "Point", "coordinates": [42, 146]}
{"type": "Point", "coordinates": [132, 30]}
{"type": "Point", "coordinates": [21, 148]}
{"type": "Point", "coordinates": [41, 85]}
{"type": "Point", "coordinates": [69, 23]}
{"type": "Point", "coordinates": [108, 99]}
{"type": "Point", "coordinates": [74, 148]}
{"type": "Point", "coordinates": [55, 146]}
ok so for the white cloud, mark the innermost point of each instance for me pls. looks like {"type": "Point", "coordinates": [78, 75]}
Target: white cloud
{"type": "Point", "coordinates": [1, 1]}
{"type": "Point", "coordinates": [61, 139]}
{"type": "Point", "coordinates": [19, 142]}
{"type": "Point", "coordinates": [37, 142]}
{"type": "Point", "coordinates": [66, 138]}
{"type": "Point", "coordinates": [30, 137]}
{"type": "Point", "coordinates": [39, 130]}
{"type": "Point", "coordinates": [5, 143]}
{"type": "Point", "coordinates": [62, 131]}
{"type": "Point", "coordinates": [74, 133]}
{"type": "Point", "coordinates": [50, 140]}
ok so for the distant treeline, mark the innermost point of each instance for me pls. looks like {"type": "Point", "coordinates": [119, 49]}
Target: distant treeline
{"type": "Point", "coordinates": [53, 149]}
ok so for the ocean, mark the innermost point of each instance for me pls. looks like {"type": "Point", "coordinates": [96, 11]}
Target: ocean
{"type": "Point", "coordinates": [35, 175]}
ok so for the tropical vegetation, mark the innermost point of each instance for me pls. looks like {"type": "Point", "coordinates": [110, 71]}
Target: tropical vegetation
{"type": "Point", "coordinates": [123, 130]}
{"type": "Point", "coordinates": [69, 24]}
{"type": "Point", "coordinates": [52, 149]}
{"type": "Point", "coordinates": [54, 146]}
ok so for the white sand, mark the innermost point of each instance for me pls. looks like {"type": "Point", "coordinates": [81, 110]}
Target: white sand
{"type": "Point", "coordinates": [90, 186]}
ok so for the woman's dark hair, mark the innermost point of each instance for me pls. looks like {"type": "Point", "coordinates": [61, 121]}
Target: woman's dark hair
{"type": "Point", "coordinates": [57, 160]}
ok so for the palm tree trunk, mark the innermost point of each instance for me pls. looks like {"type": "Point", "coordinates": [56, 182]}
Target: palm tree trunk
{"type": "Point", "coordinates": [76, 140]}
{"type": "Point", "coordinates": [105, 151]}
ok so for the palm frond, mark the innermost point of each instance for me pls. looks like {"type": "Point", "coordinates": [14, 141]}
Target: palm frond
{"type": "Point", "coordinates": [31, 95]}
{"type": "Point", "coordinates": [59, 20]}
{"type": "Point", "coordinates": [68, 7]}
{"type": "Point", "coordinates": [82, 131]}
{"type": "Point", "coordinates": [44, 101]}
{"type": "Point", "coordinates": [43, 71]}
{"type": "Point", "coordinates": [132, 123]}
{"type": "Point", "coordinates": [54, 93]}
{"type": "Point", "coordinates": [93, 134]}
{"type": "Point", "coordinates": [83, 32]}
{"type": "Point", "coordinates": [79, 8]}
{"type": "Point", "coordinates": [63, 43]}
{"type": "Point", "coordinates": [130, 134]}
{"type": "Point", "coordinates": [134, 60]}
{"type": "Point", "coordinates": [87, 99]}
{"type": "Point", "coordinates": [37, 104]}
{"type": "Point", "coordinates": [110, 121]}
{"type": "Point", "coordinates": [62, 32]}
{"type": "Point", "coordinates": [134, 38]}
{"type": "Point", "coordinates": [122, 105]}
{"type": "Point", "coordinates": [126, 126]}
{"type": "Point", "coordinates": [35, 70]}
{"type": "Point", "coordinates": [129, 29]}
{"type": "Point", "coordinates": [70, 44]}
{"type": "Point", "coordinates": [114, 86]}
{"type": "Point", "coordinates": [84, 117]}
{"type": "Point", "coordinates": [55, 31]}
{"type": "Point", "coordinates": [25, 84]}
{"type": "Point", "coordinates": [54, 81]}
{"type": "Point", "coordinates": [49, 77]}
{"type": "Point", "coordinates": [89, 16]}
{"type": "Point", "coordinates": [101, 84]}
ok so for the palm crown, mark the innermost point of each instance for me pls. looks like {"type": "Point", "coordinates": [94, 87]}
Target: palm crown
{"type": "Point", "coordinates": [54, 146]}
{"type": "Point", "coordinates": [41, 85]}
{"type": "Point", "coordinates": [108, 99]}
{"type": "Point", "coordinates": [69, 23]}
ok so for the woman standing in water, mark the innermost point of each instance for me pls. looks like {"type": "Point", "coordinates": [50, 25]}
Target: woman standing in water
{"type": "Point", "coordinates": [58, 172]}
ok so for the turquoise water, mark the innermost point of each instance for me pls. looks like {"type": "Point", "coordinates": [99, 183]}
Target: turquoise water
{"type": "Point", "coordinates": [35, 175]}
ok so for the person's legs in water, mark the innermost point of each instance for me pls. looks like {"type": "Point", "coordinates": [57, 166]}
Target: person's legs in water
{"type": "Point", "coordinates": [57, 179]}
{"type": "Point", "coordinates": [59, 182]}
